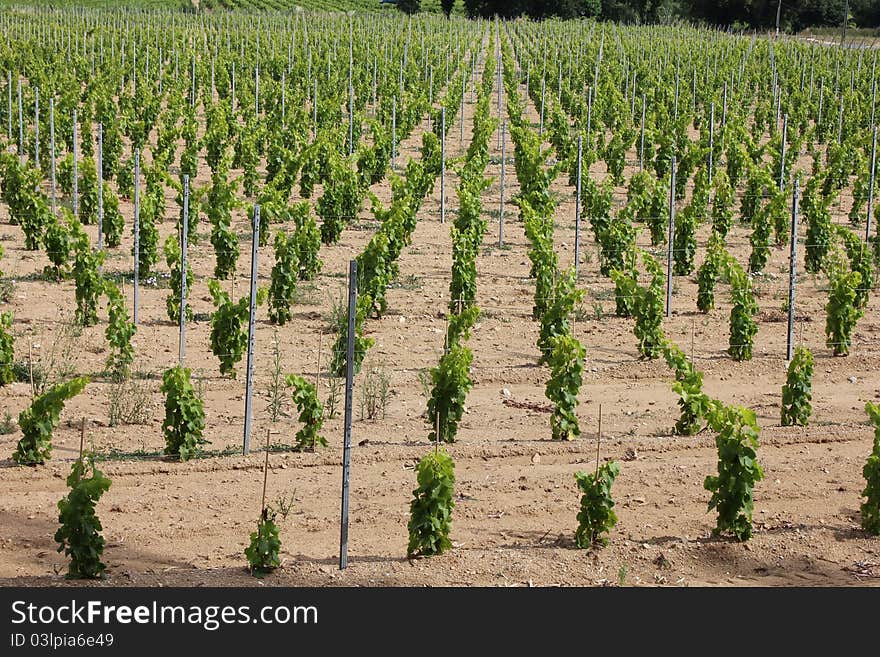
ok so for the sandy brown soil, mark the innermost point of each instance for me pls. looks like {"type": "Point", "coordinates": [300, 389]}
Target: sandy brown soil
{"type": "Point", "coordinates": [168, 523]}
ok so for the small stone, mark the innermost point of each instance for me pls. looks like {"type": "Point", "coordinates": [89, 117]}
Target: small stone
{"type": "Point", "coordinates": [852, 379]}
{"type": "Point", "coordinates": [536, 458]}
{"type": "Point", "coordinates": [506, 392]}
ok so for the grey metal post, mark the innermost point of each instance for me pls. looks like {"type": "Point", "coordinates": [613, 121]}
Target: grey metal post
{"type": "Point", "coordinates": [792, 270]}
{"type": "Point", "coordinates": [873, 100]}
{"type": "Point", "coordinates": [461, 118]}
{"type": "Point", "coordinates": [315, 109]}
{"type": "Point", "coordinates": [20, 126]}
{"type": "Point", "coordinates": [442, 165]}
{"type": "Point", "coordinates": [184, 239]}
{"type": "Point", "coordinates": [393, 131]}
{"type": "Point", "coordinates": [590, 113]}
{"type": "Point", "coordinates": [724, 115]}
{"type": "Point", "coordinates": [543, 98]}
{"type": "Point", "coordinates": [642, 147]}
{"type": "Point", "coordinates": [675, 102]}
{"type": "Point", "coordinates": [670, 239]}
{"type": "Point", "coordinates": [711, 140]}
{"type": "Point", "coordinates": [249, 384]}
{"type": "Point", "coordinates": [871, 185]}
{"type": "Point", "coordinates": [577, 210]}
{"type": "Point", "coordinates": [52, 152]}
{"type": "Point", "coordinates": [233, 86]}
{"type": "Point", "coordinates": [75, 169]}
{"type": "Point", "coordinates": [257, 90]}
{"type": "Point", "coordinates": [500, 97]}
{"type": "Point", "coordinates": [473, 76]}
{"type": "Point", "coordinates": [349, 384]}
{"type": "Point", "coordinates": [137, 231]}
{"type": "Point", "coordinates": [9, 114]}
{"type": "Point", "coordinates": [503, 169]}
{"type": "Point", "coordinates": [283, 96]}
{"type": "Point", "coordinates": [100, 186]}
{"type": "Point", "coordinates": [782, 151]}
{"type": "Point", "coordinates": [778, 106]}
{"type": "Point", "coordinates": [37, 127]}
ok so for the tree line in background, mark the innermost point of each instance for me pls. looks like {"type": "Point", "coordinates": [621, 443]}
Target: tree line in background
{"type": "Point", "coordinates": [794, 15]}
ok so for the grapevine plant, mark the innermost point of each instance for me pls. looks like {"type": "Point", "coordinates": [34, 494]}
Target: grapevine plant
{"type": "Point", "coordinates": [39, 420]}
{"type": "Point", "coordinates": [709, 272]}
{"type": "Point", "coordinates": [566, 374]}
{"type": "Point", "coordinates": [842, 313]}
{"type": "Point", "coordinates": [596, 517]}
{"type": "Point", "coordinates": [798, 389]}
{"type": "Point", "coordinates": [184, 415]}
{"type": "Point", "coordinates": [870, 508]}
{"type": "Point", "coordinates": [57, 240]}
{"type": "Point", "coordinates": [87, 276]}
{"type": "Point", "coordinates": [451, 384]}
{"type": "Point", "coordinates": [311, 413]}
{"type": "Point", "coordinates": [738, 470]}
{"type": "Point", "coordinates": [555, 319]}
{"type": "Point", "coordinates": [743, 326]}
{"type": "Point", "coordinates": [173, 258]}
{"type": "Point", "coordinates": [284, 275]}
{"type": "Point", "coordinates": [648, 310]}
{"type": "Point", "coordinates": [338, 362]}
{"type": "Point", "coordinates": [307, 241]}
{"type": "Point", "coordinates": [7, 349]}
{"type": "Point", "coordinates": [120, 330]}
{"type": "Point", "coordinates": [229, 326]}
{"type": "Point", "coordinates": [218, 204]}
{"type": "Point", "coordinates": [79, 535]}
{"type": "Point", "coordinates": [431, 508]}
{"type": "Point", "coordinates": [695, 405]}
{"type": "Point", "coordinates": [263, 551]}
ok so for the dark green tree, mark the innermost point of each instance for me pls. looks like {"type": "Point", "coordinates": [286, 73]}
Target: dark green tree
{"type": "Point", "coordinates": [409, 6]}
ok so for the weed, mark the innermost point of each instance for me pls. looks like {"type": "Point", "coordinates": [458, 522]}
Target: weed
{"type": "Point", "coordinates": [8, 426]}
{"type": "Point", "coordinates": [425, 381]}
{"type": "Point", "coordinates": [375, 393]}
{"type": "Point", "coordinates": [411, 282]}
{"type": "Point", "coordinates": [129, 402]}
{"type": "Point", "coordinates": [338, 316]}
{"type": "Point", "coordinates": [7, 291]}
{"type": "Point", "coordinates": [580, 314]}
{"type": "Point", "coordinates": [276, 388]}
{"type": "Point", "coordinates": [284, 504]}
{"type": "Point", "coordinates": [306, 294]}
{"type": "Point", "coordinates": [334, 396]}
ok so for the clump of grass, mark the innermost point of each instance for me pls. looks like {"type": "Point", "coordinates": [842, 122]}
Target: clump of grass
{"type": "Point", "coordinates": [128, 401]}
{"type": "Point", "coordinates": [8, 426]}
{"type": "Point", "coordinates": [334, 396]}
{"type": "Point", "coordinates": [7, 291]}
{"type": "Point", "coordinates": [375, 393]}
{"type": "Point", "coordinates": [276, 390]}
